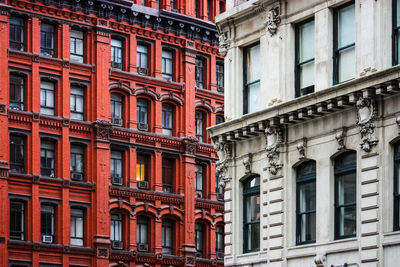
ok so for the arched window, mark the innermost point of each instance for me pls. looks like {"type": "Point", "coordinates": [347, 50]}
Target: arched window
{"type": "Point", "coordinates": [219, 241]}
{"type": "Point", "coordinates": [305, 203]}
{"type": "Point", "coordinates": [142, 233]}
{"type": "Point", "coordinates": [199, 230]}
{"type": "Point", "coordinates": [116, 231]}
{"type": "Point", "coordinates": [251, 214]}
{"type": "Point", "coordinates": [396, 195]}
{"type": "Point", "coordinates": [116, 109]}
{"type": "Point", "coordinates": [168, 236]}
{"type": "Point", "coordinates": [345, 195]}
{"type": "Point", "coordinates": [167, 118]}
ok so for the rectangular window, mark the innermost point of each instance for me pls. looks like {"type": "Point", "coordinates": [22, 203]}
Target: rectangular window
{"type": "Point", "coordinates": [47, 40]}
{"type": "Point", "coordinates": [76, 47]}
{"type": "Point", "coordinates": [305, 58]}
{"type": "Point", "coordinates": [141, 168]}
{"type": "Point", "coordinates": [345, 195]}
{"type": "Point", "coordinates": [167, 119]}
{"type": "Point", "coordinates": [47, 223]}
{"type": "Point", "coordinates": [116, 231]}
{"type": "Point", "coordinates": [142, 233]}
{"type": "Point", "coordinates": [219, 119]}
{"type": "Point", "coordinates": [396, 191]}
{"type": "Point", "coordinates": [344, 43]}
{"type": "Point", "coordinates": [209, 2]}
{"type": "Point", "coordinates": [17, 92]}
{"type": "Point", "coordinates": [167, 61]}
{"type": "Point", "coordinates": [116, 54]}
{"type": "Point", "coordinates": [141, 114]}
{"type": "Point", "coordinates": [47, 158]}
{"type": "Point", "coordinates": [77, 103]}
{"type": "Point", "coordinates": [116, 167]}
{"type": "Point", "coordinates": [116, 109]}
{"type": "Point", "coordinates": [199, 125]}
{"type": "Point", "coordinates": [198, 183]}
{"type": "Point", "coordinates": [77, 226]}
{"type": "Point", "coordinates": [251, 214]}
{"type": "Point", "coordinates": [17, 220]}
{"type": "Point", "coordinates": [47, 105]}
{"type": "Point", "coordinates": [199, 72]}
{"type": "Point", "coordinates": [142, 59]}
{"type": "Point", "coordinates": [199, 231]}
{"type": "Point", "coordinates": [17, 153]}
{"type": "Point", "coordinates": [306, 203]}
{"type": "Point", "coordinates": [220, 77]}
{"type": "Point", "coordinates": [167, 233]}
{"type": "Point", "coordinates": [219, 241]}
{"type": "Point", "coordinates": [77, 162]}
{"type": "Point", "coordinates": [252, 75]}
{"type": "Point", "coordinates": [396, 31]}
{"type": "Point", "coordinates": [168, 175]}
{"type": "Point", "coordinates": [17, 33]}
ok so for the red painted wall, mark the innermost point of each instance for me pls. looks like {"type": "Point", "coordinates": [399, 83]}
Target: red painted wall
{"type": "Point", "coordinates": [96, 194]}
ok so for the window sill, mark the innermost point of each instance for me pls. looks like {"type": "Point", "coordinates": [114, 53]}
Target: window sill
{"type": "Point", "coordinates": [391, 238]}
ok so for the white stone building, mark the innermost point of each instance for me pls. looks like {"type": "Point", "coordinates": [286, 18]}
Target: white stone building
{"type": "Point", "coordinates": [310, 150]}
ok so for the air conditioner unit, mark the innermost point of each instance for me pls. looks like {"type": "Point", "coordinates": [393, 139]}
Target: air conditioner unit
{"type": "Point", "coordinates": [220, 196]}
{"type": "Point", "coordinates": [220, 255]}
{"type": "Point", "coordinates": [116, 121]}
{"type": "Point", "coordinates": [143, 247]}
{"type": "Point", "coordinates": [47, 238]}
{"type": "Point", "coordinates": [116, 244]}
{"type": "Point", "coordinates": [116, 65]}
{"type": "Point", "coordinates": [142, 71]}
{"type": "Point", "coordinates": [143, 126]}
{"type": "Point", "coordinates": [77, 176]}
{"type": "Point", "coordinates": [116, 180]}
{"type": "Point", "coordinates": [143, 184]}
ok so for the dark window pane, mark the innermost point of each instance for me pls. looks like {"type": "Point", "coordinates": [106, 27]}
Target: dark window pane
{"type": "Point", "coordinates": [17, 33]}
{"type": "Point", "coordinates": [47, 40]}
{"type": "Point", "coordinates": [17, 153]}
{"type": "Point", "coordinates": [17, 92]}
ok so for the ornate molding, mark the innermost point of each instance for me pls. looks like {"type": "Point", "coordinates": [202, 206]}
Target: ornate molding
{"type": "Point", "coordinates": [190, 145]}
{"type": "Point", "coordinates": [341, 138]}
{"type": "Point", "coordinates": [398, 121]}
{"type": "Point", "coordinates": [320, 260]}
{"type": "Point", "coordinates": [274, 139]}
{"type": "Point", "coordinates": [223, 44]}
{"type": "Point", "coordinates": [366, 113]}
{"type": "Point", "coordinates": [4, 169]}
{"type": "Point", "coordinates": [102, 130]}
{"type": "Point", "coordinates": [247, 163]}
{"type": "Point", "coordinates": [301, 148]}
{"type": "Point", "coordinates": [224, 151]}
{"type": "Point", "coordinates": [273, 20]}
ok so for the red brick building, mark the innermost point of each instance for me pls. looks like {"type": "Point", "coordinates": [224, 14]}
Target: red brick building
{"type": "Point", "coordinates": [104, 155]}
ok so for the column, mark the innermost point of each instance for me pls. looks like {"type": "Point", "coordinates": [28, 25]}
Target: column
{"type": "Point", "coordinates": [158, 186]}
{"type": "Point", "coordinates": [157, 59]}
{"type": "Point", "coordinates": [213, 74]}
{"type": "Point", "coordinates": [189, 95]}
{"type": "Point", "coordinates": [132, 53]}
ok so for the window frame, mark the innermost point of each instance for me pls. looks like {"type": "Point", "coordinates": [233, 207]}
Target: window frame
{"type": "Point", "coordinates": [143, 65]}
{"type": "Point", "coordinates": [168, 110]}
{"type": "Point", "coordinates": [198, 119]}
{"type": "Point", "coordinates": [14, 104]}
{"type": "Point", "coordinates": [20, 43]}
{"type": "Point", "coordinates": [51, 50]}
{"type": "Point", "coordinates": [246, 85]}
{"type": "Point", "coordinates": [117, 62]}
{"type": "Point", "coordinates": [169, 76]}
{"type": "Point", "coordinates": [142, 105]}
{"type": "Point", "coordinates": [74, 218]}
{"type": "Point", "coordinates": [200, 72]}
{"type": "Point", "coordinates": [310, 89]}
{"type": "Point", "coordinates": [395, 34]}
{"type": "Point", "coordinates": [219, 236]}
{"type": "Point", "coordinates": [19, 167]}
{"type": "Point", "coordinates": [45, 109]}
{"type": "Point", "coordinates": [44, 169]}
{"type": "Point", "coordinates": [247, 193]}
{"type": "Point", "coordinates": [51, 215]}
{"type": "Point", "coordinates": [116, 221]}
{"type": "Point", "coordinates": [114, 162]}
{"type": "Point", "coordinates": [199, 239]}
{"type": "Point", "coordinates": [336, 49]}
{"type": "Point", "coordinates": [167, 223]}
{"type": "Point", "coordinates": [396, 191]}
{"type": "Point", "coordinates": [22, 228]}
{"type": "Point", "coordinates": [142, 161]}
{"type": "Point", "coordinates": [114, 107]}
{"type": "Point", "coordinates": [338, 173]}
{"type": "Point", "coordinates": [78, 115]}
{"type": "Point", "coordinates": [83, 156]}
{"type": "Point", "coordinates": [142, 224]}
{"type": "Point", "coordinates": [168, 165]}
{"type": "Point", "coordinates": [74, 55]}
{"type": "Point", "coordinates": [199, 172]}
{"type": "Point", "coordinates": [302, 179]}
{"type": "Point", "coordinates": [220, 76]}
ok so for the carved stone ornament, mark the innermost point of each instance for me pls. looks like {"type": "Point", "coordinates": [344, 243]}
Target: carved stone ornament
{"type": "Point", "coordinates": [320, 260]}
{"type": "Point", "coordinates": [102, 129]}
{"type": "Point", "coordinates": [398, 121]}
{"type": "Point", "coordinates": [224, 151]}
{"type": "Point", "coordinates": [273, 135]}
{"type": "Point", "coordinates": [341, 138]}
{"type": "Point", "coordinates": [223, 44]}
{"type": "Point", "coordinates": [273, 20]}
{"type": "Point", "coordinates": [247, 164]}
{"type": "Point", "coordinates": [366, 112]}
{"type": "Point", "coordinates": [301, 148]}
{"type": "Point", "coordinates": [190, 145]}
